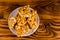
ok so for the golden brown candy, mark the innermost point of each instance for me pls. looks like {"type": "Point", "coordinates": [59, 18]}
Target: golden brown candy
{"type": "Point", "coordinates": [24, 21]}
{"type": "Point", "coordinates": [12, 21]}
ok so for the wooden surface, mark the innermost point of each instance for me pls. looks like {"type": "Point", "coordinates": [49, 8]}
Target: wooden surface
{"type": "Point", "coordinates": [49, 13]}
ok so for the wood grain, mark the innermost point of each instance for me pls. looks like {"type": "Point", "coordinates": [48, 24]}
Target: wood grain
{"type": "Point", "coordinates": [49, 13]}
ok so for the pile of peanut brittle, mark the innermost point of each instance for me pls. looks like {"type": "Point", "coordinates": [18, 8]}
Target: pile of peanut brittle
{"type": "Point", "coordinates": [24, 21]}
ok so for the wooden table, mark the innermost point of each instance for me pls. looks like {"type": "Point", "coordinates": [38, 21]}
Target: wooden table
{"type": "Point", "coordinates": [49, 13]}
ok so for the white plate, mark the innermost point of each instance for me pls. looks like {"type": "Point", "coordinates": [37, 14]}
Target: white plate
{"type": "Point", "coordinates": [13, 13]}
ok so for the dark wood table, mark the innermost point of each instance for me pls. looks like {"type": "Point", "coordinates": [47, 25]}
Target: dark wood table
{"type": "Point", "coordinates": [49, 13]}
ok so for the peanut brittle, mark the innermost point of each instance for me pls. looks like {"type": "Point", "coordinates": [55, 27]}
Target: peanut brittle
{"type": "Point", "coordinates": [25, 20]}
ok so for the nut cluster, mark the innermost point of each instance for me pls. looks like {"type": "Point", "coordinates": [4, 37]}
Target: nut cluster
{"type": "Point", "coordinates": [24, 21]}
